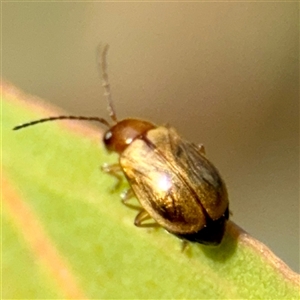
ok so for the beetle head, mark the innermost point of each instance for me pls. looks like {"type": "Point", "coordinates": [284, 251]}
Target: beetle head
{"type": "Point", "coordinates": [123, 133]}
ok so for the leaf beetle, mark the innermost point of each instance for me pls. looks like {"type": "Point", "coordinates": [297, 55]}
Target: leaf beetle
{"type": "Point", "coordinates": [174, 182]}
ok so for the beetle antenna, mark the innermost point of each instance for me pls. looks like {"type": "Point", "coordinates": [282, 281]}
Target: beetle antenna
{"type": "Point", "coordinates": [96, 119]}
{"type": "Point", "coordinates": [102, 67]}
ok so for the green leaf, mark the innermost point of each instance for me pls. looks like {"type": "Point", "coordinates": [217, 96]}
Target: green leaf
{"type": "Point", "coordinates": [65, 234]}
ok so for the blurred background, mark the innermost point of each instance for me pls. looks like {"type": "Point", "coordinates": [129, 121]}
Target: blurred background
{"type": "Point", "coordinates": [223, 74]}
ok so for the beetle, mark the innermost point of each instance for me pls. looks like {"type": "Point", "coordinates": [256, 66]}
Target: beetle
{"type": "Point", "coordinates": [174, 182]}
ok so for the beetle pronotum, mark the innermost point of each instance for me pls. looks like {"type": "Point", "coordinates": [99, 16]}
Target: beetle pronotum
{"type": "Point", "coordinates": [174, 182]}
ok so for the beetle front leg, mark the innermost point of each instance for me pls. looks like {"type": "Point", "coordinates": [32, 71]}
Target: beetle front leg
{"type": "Point", "coordinates": [114, 170]}
{"type": "Point", "coordinates": [141, 217]}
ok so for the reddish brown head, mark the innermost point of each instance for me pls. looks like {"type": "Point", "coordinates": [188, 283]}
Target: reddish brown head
{"type": "Point", "coordinates": [122, 134]}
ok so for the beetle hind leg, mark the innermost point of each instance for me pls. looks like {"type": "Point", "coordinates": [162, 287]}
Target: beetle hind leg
{"type": "Point", "coordinates": [143, 216]}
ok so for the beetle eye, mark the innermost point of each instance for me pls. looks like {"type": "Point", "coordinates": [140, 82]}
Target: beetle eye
{"type": "Point", "coordinates": [107, 139]}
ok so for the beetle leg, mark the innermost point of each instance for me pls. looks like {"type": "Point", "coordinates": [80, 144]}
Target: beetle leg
{"type": "Point", "coordinates": [126, 196]}
{"type": "Point", "coordinates": [114, 170]}
{"type": "Point", "coordinates": [184, 245]}
{"type": "Point", "coordinates": [141, 217]}
{"type": "Point", "coordinates": [201, 148]}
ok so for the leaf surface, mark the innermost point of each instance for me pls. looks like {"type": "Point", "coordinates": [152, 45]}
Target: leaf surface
{"type": "Point", "coordinates": [66, 235]}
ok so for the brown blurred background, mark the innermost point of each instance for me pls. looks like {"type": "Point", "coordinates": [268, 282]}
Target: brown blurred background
{"type": "Point", "coordinates": [224, 74]}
